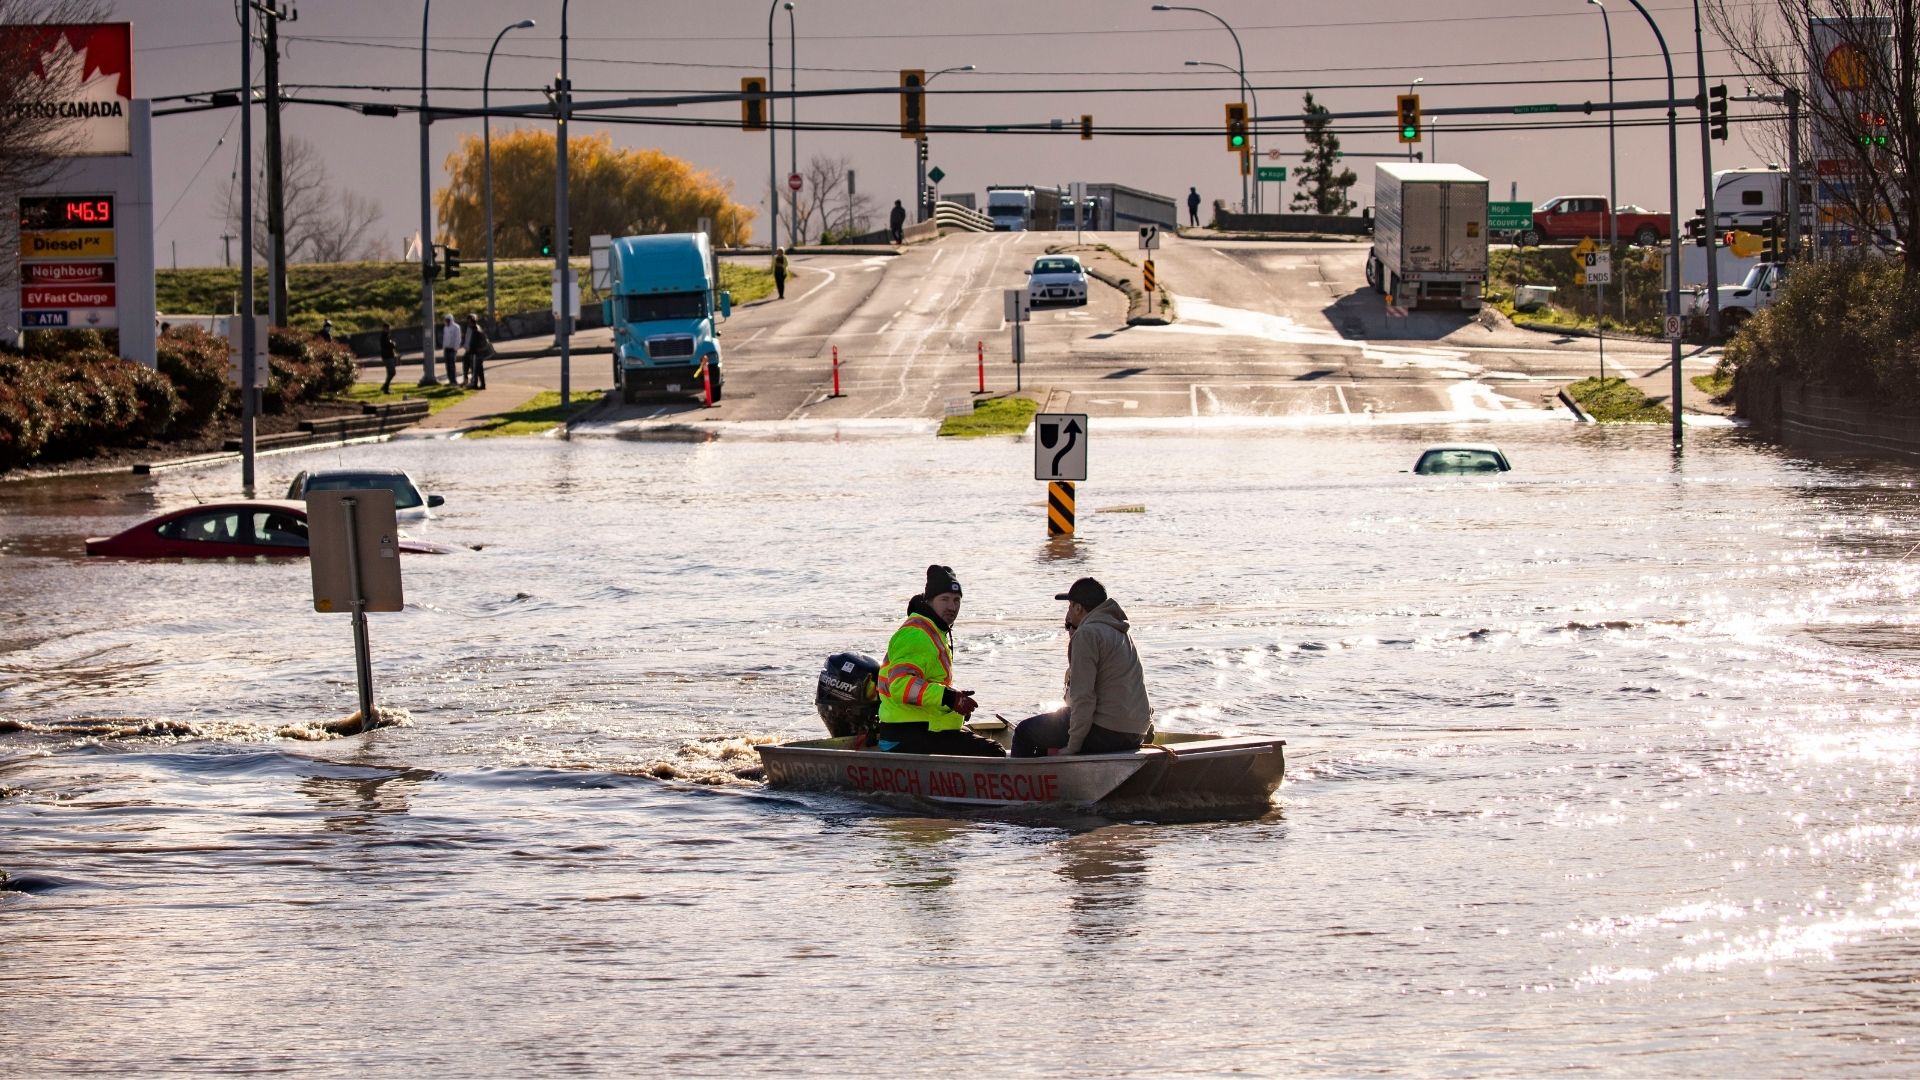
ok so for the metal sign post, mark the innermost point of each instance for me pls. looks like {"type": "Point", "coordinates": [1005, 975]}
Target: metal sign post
{"type": "Point", "coordinates": [354, 543]}
{"type": "Point", "coordinates": [1019, 308]}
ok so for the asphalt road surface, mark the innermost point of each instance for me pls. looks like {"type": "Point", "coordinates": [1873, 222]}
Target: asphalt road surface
{"type": "Point", "coordinates": [1263, 330]}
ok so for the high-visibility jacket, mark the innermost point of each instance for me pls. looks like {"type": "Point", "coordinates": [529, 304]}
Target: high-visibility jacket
{"type": "Point", "coordinates": [916, 675]}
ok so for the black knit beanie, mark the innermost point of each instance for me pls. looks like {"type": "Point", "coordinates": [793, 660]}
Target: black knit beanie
{"type": "Point", "coordinates": [940, 579]}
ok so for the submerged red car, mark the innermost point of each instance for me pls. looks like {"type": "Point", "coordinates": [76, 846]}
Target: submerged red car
{"type": "Point", "coordinates": [227, 530]}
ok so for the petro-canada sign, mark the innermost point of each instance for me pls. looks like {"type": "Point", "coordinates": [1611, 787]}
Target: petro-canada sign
{"type": "Point", "coordinates": [89, 70]}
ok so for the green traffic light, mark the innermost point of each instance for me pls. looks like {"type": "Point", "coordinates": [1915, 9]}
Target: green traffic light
{"type": "Point", "coordinates": [1409, 132]}
{"type": "Point", "coordinates": [1239, 141]}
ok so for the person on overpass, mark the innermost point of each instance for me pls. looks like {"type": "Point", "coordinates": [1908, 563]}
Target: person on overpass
{"type": "Point", "coordinates": [921, 712]}
{"type": "Point", "coordinates": [897, 222]}
{"type": "Point", "coordinates": [1107, 711]}
{"type": "Point", "coordinates": [1193, 207]}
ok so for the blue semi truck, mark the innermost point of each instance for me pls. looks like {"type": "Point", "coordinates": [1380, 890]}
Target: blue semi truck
{"type": "Point", "coordinates": [662, 307]}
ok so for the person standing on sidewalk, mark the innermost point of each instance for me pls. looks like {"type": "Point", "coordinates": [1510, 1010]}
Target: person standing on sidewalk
{"type": "Point", "coordinates": [389, 355]}
{"type": "Point", "coordinates": [780, 271]}
{"type": "Point", "coordinates": [1193, 207]}
{"type": "Point", "coordinates": [897, 222]}
{"type": "Point", "coordinates": [450, 348]}
{"type": "Point", "coordinates": [478, 349]}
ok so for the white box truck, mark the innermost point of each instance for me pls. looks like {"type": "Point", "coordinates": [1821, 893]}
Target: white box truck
{"type": "Point", "coordinates": [1429, 234]}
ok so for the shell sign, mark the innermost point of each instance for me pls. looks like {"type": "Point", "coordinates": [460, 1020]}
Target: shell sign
{"type": "Point", "coordinates": [88, 70]}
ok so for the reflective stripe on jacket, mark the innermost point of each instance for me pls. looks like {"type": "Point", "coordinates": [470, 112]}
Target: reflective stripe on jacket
{"type": "Point", "coordinates": [915, 676]}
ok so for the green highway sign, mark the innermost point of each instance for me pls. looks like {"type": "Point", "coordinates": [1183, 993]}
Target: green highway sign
{"type": "Point", "coordinates": [1509, 215]}
{"type": "Point", "coordinates": [1536, 108]}
{"type": "Point", "coordinates": [1270, 172]}
{"type": "Point", "coordinates": [934, 174]}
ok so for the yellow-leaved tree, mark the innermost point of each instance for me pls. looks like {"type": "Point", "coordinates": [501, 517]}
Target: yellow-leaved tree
{"type": "Point", "coordinates": [612, 191]}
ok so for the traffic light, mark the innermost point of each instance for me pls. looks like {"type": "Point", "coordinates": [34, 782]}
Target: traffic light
{"type": "Point", "coordinates": [1770, 246]}
{"type": "Point", "coordinates": [1086, 128]}
{"type": "Point", "coordinates": [1407, 107]}
{"type": "Point", "coordinates": [921, 151]}
{"type": "Point", "coordinates": [913, 103]}
{"type": "Point", "coordinates": [1717, 112]}
{"type": "Point", "coordinates": [546, 240]}
{"type": "Point", "coordinates": [451, 257]}
{"type": "Point", "coordinates": [753, 103]}
{"type": "Point", "coordinates": [1236, 126]}
{"type": "Point", "coordinates": [1697, 231]}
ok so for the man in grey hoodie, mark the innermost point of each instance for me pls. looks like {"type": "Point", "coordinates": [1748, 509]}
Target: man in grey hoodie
{"type": "Point", "coordinates": [1107, 710]}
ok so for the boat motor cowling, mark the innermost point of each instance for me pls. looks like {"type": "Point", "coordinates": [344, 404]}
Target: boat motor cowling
{"type": "Point", "coordinates": [848, 694]}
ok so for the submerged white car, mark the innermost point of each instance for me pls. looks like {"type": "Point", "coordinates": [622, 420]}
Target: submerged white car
{"type": "Point", "coordinates": [408, 502]}
{"type": "Point", "coordinates": [1057, 279]}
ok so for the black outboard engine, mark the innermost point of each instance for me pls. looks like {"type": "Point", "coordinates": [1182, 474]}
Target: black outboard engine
{"type": "Point", "coordinates": [848, 695]}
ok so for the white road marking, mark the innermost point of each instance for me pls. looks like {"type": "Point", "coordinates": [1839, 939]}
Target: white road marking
{"type": "Point", "coordinates": [1342, 395]}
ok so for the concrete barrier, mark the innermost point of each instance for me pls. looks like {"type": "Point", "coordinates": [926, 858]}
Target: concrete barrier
{"type": "Point", "coordinates": [1816, 419]}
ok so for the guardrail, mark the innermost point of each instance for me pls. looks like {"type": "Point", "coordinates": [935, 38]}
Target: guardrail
{"type": "Point", "coordinates": [954, 216]}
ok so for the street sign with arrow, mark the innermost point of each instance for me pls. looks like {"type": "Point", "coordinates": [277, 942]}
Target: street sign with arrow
{"type": "Point", "coordinates": [1060, 446]}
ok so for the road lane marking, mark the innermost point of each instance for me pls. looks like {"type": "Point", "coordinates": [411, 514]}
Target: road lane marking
{"type": "Point", "coordinates": [1342, 395]}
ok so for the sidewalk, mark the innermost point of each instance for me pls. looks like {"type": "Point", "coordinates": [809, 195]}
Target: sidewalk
{"type": "Point", "coordinates": [517, 373]}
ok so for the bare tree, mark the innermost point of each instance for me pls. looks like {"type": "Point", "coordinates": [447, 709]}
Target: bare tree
{"type": "Point", "coordinates": [1868, 118]}
{"type": "Point", "coordinates": [323, 225]}
{"type": "Point", "coordinates": [33, 136]}
{"type": "Point", "coordinates": [825, 203]}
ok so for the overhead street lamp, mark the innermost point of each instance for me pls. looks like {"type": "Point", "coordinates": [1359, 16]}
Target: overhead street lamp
{"type": "Point", "coordinates": [1410, 87]}
{"type": "Point", "coordinates": [562, 226]}
{"type": "Point", "coordinates": [1673, 214]}
{"type": "Point", "coordinates": [773, 139]}
{"type": "Point", "coordinates": [793, 119]}
{"type": "Point", "coordinates": [427, 340]}
{"type": "Point", "coordinates": [1613, 181]}
{"type": "Point", "coordinates": [920, 210]}
{"type": "Point", "coordinates": [1245, 89]}
{"type": "Point", "coordinates": [1242, 69]}
{"type": "Point", "coordinates": [486, 143]}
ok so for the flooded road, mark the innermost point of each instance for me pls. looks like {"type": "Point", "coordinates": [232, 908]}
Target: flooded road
{"type": "Point", "coordinates": [1607, 764]}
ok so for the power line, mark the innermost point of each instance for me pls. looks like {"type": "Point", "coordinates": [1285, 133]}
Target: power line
{"type": "Point", "coordinates": [203, 168]}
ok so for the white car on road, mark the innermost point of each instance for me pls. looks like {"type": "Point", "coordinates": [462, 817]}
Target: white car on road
{"type": "Point", "coordinates": [1057, 279]}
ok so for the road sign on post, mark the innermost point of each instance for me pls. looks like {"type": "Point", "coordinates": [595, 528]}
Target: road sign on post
{"type": "Point", "coordinates": [1509, 216]}
{"type": "Point", "coordinates": [1146, 275]}
{"type": "Point", "coordinates": [1149, 237]}
{"type": "Point", "coordinates": [354, 547]}
{"type": "Point", "coordinates": [1060, 446]}
{"type": "Point", "coordinates": [794, 183]}
{"type": "Point", "coordinates": [936, 174]}
{"type": "Point", "coordinates": [1271, 172]}
{"type": "Point", "coordinates": [1598, 266]}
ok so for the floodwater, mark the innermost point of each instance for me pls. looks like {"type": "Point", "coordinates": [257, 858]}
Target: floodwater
{"type": "Point", "coordinates": [1606, 765]}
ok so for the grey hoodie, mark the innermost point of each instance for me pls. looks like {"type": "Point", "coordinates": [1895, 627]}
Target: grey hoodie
{"type": "Point", "coordinates": [1105, 684]}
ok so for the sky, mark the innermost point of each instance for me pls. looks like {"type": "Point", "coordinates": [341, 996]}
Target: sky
{"type": "Point", "coordinates": [1119, 61]}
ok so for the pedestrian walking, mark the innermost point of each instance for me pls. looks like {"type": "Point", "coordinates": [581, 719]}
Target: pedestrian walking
{"type": "Point", "coordinates": [450, 338]}
{"type": "Point", "coordinates": [326, 330]}
{"type": "Point", "coordinates": [389, 355]}
{"type": "Point", "coordinates": [1193, 207]}
{"type": "Point", "coordinates": [897, 222]}
{"type": "Point", "coordinates": [478, 349]}
{"type": "Point", "coordinates": [780, 271]}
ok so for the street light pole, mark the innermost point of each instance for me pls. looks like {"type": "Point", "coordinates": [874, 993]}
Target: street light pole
{"type": "Point", "coordinates": [1410, 86]}
{"type": "Point", "coordinates": [1247, 89]}
{"type": "Point", "coordinates": [426, 215]}
{"type": "Point", "coordinates": [921, 211]}
{"type": "Point", "coordinates": [793, 129]}
{"type": "Point", "coordinates": [247, 343]}
{"type": "Point", "coordinates": [486, 142]}
{"type": "Point", "coordinates": [562, 227]}
{"type": "Point", "coordinates": [1613, 193]}
{"type": "Point", "coordinates": [773, 141]}
{"type": "Point", "coordinates": [1673, 214]}
{"type": "Point", "coordinates": [1242, 69]}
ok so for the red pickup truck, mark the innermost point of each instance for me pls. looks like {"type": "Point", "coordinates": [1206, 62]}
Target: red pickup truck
{"type": "Point", "coordinates": [1576, 217]}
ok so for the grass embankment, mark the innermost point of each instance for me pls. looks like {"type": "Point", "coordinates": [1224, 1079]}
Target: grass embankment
{"type": "Point", "coordinates": [437, 397]}
{"type": "Point", "coordinates": [1615, 401]}
{"type": "Point", "coordinates": [362, 296]}
{"type": "Point", "coordinates": [1574, 306]}
{"type": "Point", "coordinates": [992, 416]}
{"type": "Point", "coordinates": [537, 416]}
{"type": "Point", "coordinates": [1716, 385]}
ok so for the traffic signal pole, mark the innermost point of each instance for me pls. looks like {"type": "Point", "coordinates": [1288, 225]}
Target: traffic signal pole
{"type": "Point", "coordinates": [562, 228]}
{"type": "Point", "coordinates": [427, 341]}
{"type": "Point", "coordinates": [1706, 182]}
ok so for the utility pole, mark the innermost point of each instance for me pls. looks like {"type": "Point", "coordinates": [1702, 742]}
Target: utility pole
{"type": "Point", "coordinates": [270, 17]}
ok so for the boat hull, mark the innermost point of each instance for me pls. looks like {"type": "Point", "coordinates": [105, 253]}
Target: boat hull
{"type": "Point", "coordinates": [1185, 768]}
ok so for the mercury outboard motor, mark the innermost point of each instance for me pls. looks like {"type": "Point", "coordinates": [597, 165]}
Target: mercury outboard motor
{"type": "Point", "coordinates": [848, 695]}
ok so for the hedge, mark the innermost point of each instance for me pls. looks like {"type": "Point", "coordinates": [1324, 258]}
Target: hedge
{"type": "Point", "coordinates": [1850, 322]}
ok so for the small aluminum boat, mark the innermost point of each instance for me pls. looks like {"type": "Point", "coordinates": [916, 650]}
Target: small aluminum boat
{"type": "Point", "coordinates": [1182, 768]}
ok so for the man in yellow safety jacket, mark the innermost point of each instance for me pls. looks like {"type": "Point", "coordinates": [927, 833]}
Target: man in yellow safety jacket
{"type": "Point", "coordinates": [920, 709]}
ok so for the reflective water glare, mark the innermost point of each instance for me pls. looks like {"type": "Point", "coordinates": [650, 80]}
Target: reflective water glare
{"type": "Point", "coordinates": [1607, 764]}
